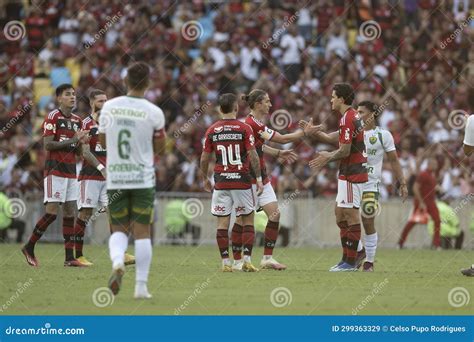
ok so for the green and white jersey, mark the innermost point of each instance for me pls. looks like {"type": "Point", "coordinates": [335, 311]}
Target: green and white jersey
{"type": "Point", "coordinates": [130, 124]}
{"type": "Point", "coordinates": [378, 141]}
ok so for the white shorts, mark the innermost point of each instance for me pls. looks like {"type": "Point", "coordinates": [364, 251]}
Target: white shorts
{"type": "Point", "coordinates": [371, 187]}
{"type": "Point", "coordinates": [267, 196]}
{"type": "Point", "coordinates": [60, 189]}
{"type": "Point", "coordinates": [242, 202]}
{"type": "Point", "coordinates": [349, 194]}
{"type": "Point", "coordinates": [92, 193]}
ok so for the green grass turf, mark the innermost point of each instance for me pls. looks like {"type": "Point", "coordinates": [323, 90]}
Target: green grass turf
{"type": "Point", "coordinates": [407, 282]}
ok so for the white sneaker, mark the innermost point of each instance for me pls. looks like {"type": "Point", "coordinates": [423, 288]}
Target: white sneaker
{"type": "Point", "coordinates": [237, 266]}
{"type": "Point", "coordinates": [271, 264]}
{"type": "Point", "coordinates": [141, 292]}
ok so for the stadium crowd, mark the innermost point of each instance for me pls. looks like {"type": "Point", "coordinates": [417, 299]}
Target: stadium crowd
{"type": "Point", "coordinates": [419, 67]}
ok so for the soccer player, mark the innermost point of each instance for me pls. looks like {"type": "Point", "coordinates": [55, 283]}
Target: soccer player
{"type": "Point", "coordinates": [233, 143]}
{"type": "Point", "coordinates": [352, 173]}
{"type": "Point", "coordinates": [260, 104]}
{"type": "Point", "coordinates": [131, 129]}
{"type": "Point", "coordinates": [92, 185]}
{"type": "Point", "coordinates": [424, 190]}
{"type": "Point", "coordinates": [468, 147]}
{"type": "Point", "coordinates": [378, 141]}
{"type": "Point", "coordinates": [61, 134]}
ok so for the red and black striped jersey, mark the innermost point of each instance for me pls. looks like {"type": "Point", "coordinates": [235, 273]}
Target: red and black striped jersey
{"type": "Point", "coordinates": [261, 134]}
{"type": "Point", "coordinates": [231, 140]}
{"type": "Point", "coordinates": [88, 171]}
{"type": "Point", "coordinates": [351, 131]}
{"type": "Point", "coordinates": [61, 163]}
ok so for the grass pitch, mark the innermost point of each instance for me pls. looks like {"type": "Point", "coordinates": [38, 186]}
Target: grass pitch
{"type": "Point", "coordinates": [188, 281]}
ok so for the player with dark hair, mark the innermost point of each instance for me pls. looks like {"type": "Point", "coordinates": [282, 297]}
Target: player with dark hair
{"type": "Point", "coordinates": [352, 171]}
{"type": "Point", "coordinates": [424, 190]}
{"type": "Point", "coordinates": [233, 143]}
{"type": "Point", "coordinates": [61, 135]}
{"type": "Point", "coordinates": [132, 129]}
{"type": "Point", "coordinates": [260, 104]}
{"type": "Point", "coordinates": [378, 141]}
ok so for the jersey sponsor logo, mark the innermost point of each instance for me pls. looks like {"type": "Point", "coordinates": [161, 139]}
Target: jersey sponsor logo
{"type": "Point", "coordinates": [219, 209]}
{"type": "Point", "coordinates": [232, 175]}
{"type": "Point", "coordinates": [373, 140]}
{"type": "Point", "coordinates": [371, 152]}
{"type": "Point", "coordinates": [218, 129]}
{"type": "Point", "coordinates": [239, 209]}
{"type": "Point", "coordinates": [49, 127]}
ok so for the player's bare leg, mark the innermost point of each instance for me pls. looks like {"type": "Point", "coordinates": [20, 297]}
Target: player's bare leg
{"type": "Point", "coordinates": [118, 244]}
{"type": "Point", "coordinates": [143, 254]}
{"type": "Point", "coordinates": [248, 239]}
{"type": "Point", "coordinates": [222, 237]}
{"type": "Point", "coordinates": [79, 230]}
{"type": "Point", "coordinates": [271, 235]}
{"type": "Point", "coordinates": [28, 250]}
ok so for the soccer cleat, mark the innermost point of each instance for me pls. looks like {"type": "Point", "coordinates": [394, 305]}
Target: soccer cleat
{"type": "Point", "coordinates": [30, 259]}
{"type": "Point", "coordinates": [360, 258]}
{"type": "Point", "coordinates": [237, 265]}
{"type": "Point", "coordinates": [368, 267]}
{"type": "Point", "coordinates": [272, 264]}
{"type": "Point", "coordinates": [337, 265]}
{"type": "Point", "coordinates": [84, 261]}
{"type": "Point", "coordinates": [345, 267]}
{"type": "Point", "coordinates": [129, 259]}
{"type": "Point", "coordinates": [248, 267]}
{"type": "Point", "coordinates": [226, 268]}
{"type": "Point", "coordinates": [115, 280]}
{"type": "Point", "coordinates": [144, 295]}
{"type": "Point", "coordinates": [469, 272]}
{"type": "Point", "coordinates": [73, 263]}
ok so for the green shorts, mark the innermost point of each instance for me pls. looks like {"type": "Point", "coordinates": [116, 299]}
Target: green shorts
{"type": "Point", "coordinates": [370, 204]}
{"type": "Point", "coordinates": [131, 205]}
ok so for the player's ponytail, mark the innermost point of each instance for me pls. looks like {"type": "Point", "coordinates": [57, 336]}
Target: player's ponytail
{"type": "Point", "coordinates": [253, 97]}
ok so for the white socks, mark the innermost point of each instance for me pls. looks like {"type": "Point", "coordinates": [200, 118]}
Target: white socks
{"type": "Point", "coordinates": [247, 258]}
{"type": "Point", "coordinates": [360, 246]}
{"type": "Point", "coordinates": [370, 242]}
{"type": "Point", "coordinates": [143, 255]}
{"type": "Point", "coordinates": [118, 244]}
